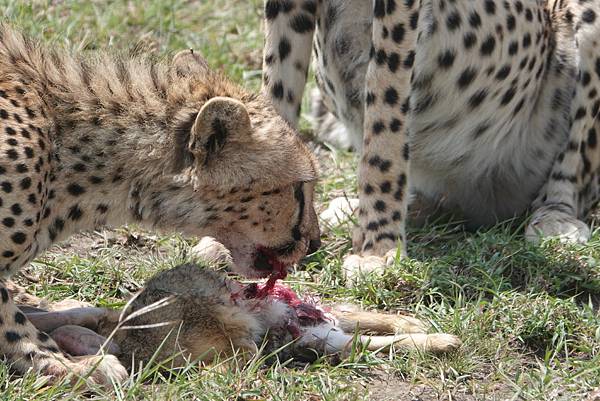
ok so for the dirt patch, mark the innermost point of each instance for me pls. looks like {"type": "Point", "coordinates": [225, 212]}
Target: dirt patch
{"type": "Point", "coordinates": [390, 388]}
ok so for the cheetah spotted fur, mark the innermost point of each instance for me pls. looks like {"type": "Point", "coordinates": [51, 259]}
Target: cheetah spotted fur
{"type": "Point", "coordinates": [488, 109]}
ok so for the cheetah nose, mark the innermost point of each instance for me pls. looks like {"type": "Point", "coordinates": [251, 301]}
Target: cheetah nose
{"type": "Point", "coordinates": [314, 245]}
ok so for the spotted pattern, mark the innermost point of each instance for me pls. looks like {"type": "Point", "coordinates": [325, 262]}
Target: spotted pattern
{"type": "Point", "coordinates": [486, 108]}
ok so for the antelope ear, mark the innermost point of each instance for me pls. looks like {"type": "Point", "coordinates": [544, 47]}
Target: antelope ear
{"type": "Point", "coordinates": [189, 63]}
{"type": "Point", "coordinates": [221, 121]}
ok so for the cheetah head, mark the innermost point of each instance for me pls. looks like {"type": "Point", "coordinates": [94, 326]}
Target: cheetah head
{"type": "Point", "coordinates": [252, 176]}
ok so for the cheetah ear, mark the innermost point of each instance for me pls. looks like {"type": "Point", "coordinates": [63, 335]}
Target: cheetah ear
{"type": "Point", "coordinates": [188, 63]}
{"type": "Point", "coordinates": [221, 121]}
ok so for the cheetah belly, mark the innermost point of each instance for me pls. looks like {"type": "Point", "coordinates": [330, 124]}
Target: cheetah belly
{"type": "Point", "coordinates": [490, 165]}
{"type": "Point", "coordinates": [487, 162]}
{"type": "Point", "coordinates": [485, 128]}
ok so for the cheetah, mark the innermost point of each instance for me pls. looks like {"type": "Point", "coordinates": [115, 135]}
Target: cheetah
{"type": "Point", "coordinates": [104, 140]}
{"type": "Point", "coordinates": [486, 109]}
{"type": "Point", "coordinates": [193, 313]}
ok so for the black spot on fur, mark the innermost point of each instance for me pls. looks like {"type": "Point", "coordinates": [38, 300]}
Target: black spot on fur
{"type": "Point", "coordinates": [272, 8]}
{"type": "Point", "coordinates": [398, 33]}
{"type": "Point", "coordinates": [6, 187]}
{"type": "Point", "coordinates": [588, 16]}
{"type": "Point", "coordinates": [453, 21]}
{"type": "Point", "coordinates": [75, 189]}
{"type": "Point", "coordinates": [8, 222]}
{"type": "Point", "coordinates": [75, 213]}
{"type": "Point", "coordinates": [466, 77]}
{"type": "Point", "coordinates": [488, 46]}
{"type": "Point", "coordinates": [18, 238]}
{"type": "Point", "coordinates": [284, 48]}
{"type": "Point", "coordinates": [12, 337]}
{"type": "Point", "coordinates": [302, 23]}
{"type": "Point", "coordinates": [16, 209]}
{"type": "Point", "coordinates": [4, 295]}
{"type": "Point", "coordinates": [379, 9]}
{"type": "Point", "coordinates": [477, 98]}
{"type": "Point", "coordinates": [469, 40]}
{"type": "Point", "coordinates": [446, 59]}
{"type": "Point", "coordinates": [20, 318]}
{"type": "Point", "coordinates": [12, 154]}
{"type": "Point", "coordinates": [277, 90]}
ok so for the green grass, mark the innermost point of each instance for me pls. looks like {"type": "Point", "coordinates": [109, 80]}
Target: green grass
{"type": "Point", "coordinates": [527, 315]}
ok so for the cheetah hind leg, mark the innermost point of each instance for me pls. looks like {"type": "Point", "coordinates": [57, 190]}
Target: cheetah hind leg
{"type": "Point", "coordinates": [339, 212]}
{"type": "Point", "coordinates": [572, 187]}
{"type": "Point", "coordinates": [327, 127]}
{"type": "Point", "coordinates": [548, 222]}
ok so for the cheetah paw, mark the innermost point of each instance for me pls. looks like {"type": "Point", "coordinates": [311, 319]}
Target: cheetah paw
{"type": "Point", "coordinates": [212, 252]}
{"type": "Point", "coordinates": [340, 211]}
{"type": "Point", "coordinates": [356, 267]}
{"type": "Point", "coordinates": [97, 370]}
{"type": "Point", "coordinates": [102, 370]}
{"type": "Point", "coordinates": [550, 223]}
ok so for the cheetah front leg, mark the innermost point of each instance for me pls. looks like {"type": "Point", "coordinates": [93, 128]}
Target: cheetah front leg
{"type": "Point", "coordinates": [290, 26]}
{"type": "Point", "coordinates": [573, 188]}
{"type": "Point", "coordinates": [27, 348]}
{"type": "Point", "coordinates": [383, 170]}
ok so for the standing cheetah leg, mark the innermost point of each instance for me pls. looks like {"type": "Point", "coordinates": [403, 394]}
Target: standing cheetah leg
{"type": "Point", "coordinates": [328, 128]}
{"type": "Point", "coordinates": [290, 26]}
{"type": "Point", "coordinates": [572, 188]}
{"type": "Point", "coordinates": [27, 348]}
{"type": "Point", "coordinates": [383, 170]}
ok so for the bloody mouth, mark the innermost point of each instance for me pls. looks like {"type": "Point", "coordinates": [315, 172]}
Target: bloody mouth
{"type": "Point", "coordinates": [266, 260]}
{"type": "Point", "coordinates": [307, 313]}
